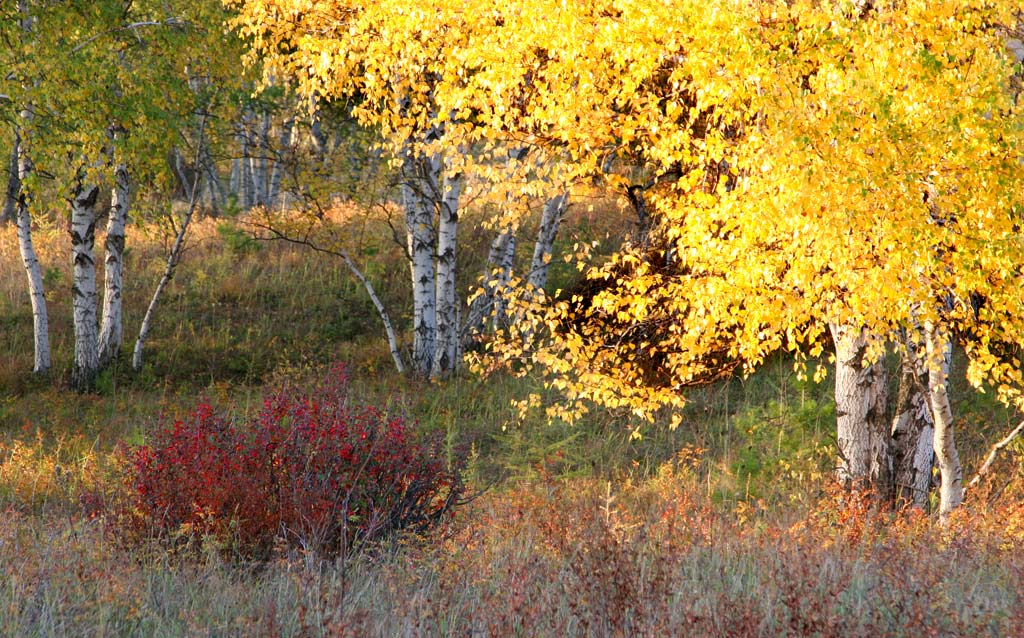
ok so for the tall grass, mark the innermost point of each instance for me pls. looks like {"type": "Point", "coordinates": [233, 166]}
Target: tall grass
{"type": "Point", "coordinates": [582, 558]}
{"type": "Point", "coordinates": [723, 527]}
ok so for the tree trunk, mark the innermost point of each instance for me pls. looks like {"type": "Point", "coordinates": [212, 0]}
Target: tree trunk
{"type": "Point", "coordinates": [506, 260]}
{"type": "Point", "coordinates": [172, 258]}
{"type": "Point", "coordinates": [263, 164]}
{"type": "Point", "coordinates": [213, 184]}
{"type": "Point", "coordinates": [316, 131]}
{"type": "Point", "coordinates": [235, 181]}
{"type": "Point", "coordinates": [113, 267]}
{"type": "Point", "coordinates": [281, 154]}
{"type": "Point", "coordinates": [246, 178]}
{"type": "Point", "coordinates": [10, 213]}
{"type": "Point", "coordinates": [172, 263]}
{"type": "Point", "coordinates": [499, 257]}
{"type": "Point", "coordinates": [419, 184]}
{"type": "Point", "coordinates": [446, 348]}
{"type": "Point", "coordinates": [912, 426]}
{"type": "Point", "coordinates": [550, 219]}
{"type": "Point", "coordinates": [83, 290]}
{"type": "Point", "coordinates": [34, 272]}
{"type": "Point", "coordinates": [862, 428]}
{"type": "Point", "coordinates": [939, 351]}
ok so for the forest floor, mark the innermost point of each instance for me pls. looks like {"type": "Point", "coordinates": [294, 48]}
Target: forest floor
{"type": "Point", "coordinates": [726, 526]}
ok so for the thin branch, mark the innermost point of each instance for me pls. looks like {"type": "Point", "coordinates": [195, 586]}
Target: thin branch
{"type": "Point", "coordinates": [169, 22]}
{"type": "Point", "coordinates": [992, 454]}
{"type": "Point", "coordinates": [307, 241]}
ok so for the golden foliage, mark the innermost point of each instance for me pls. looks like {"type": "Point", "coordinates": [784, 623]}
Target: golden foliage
{"type": "Point", "coordinates": [816, 161]}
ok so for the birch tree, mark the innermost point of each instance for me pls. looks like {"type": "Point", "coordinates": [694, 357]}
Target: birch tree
{"type": "Point", "coordinates": [111, 325]}
{"type": "Point", "coordinates": [913, 428]}
{"type": "Point", "coordinates": [83, 288]}
{"type": "Point", "coordinates": [862, 425]}
{"type": "Point", "coordinates": [30, 260]}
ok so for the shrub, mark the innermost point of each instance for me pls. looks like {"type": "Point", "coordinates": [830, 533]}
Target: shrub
{"type": "Point", "coordinates": [309, 470]}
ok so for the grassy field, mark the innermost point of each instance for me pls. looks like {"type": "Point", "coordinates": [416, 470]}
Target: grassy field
{"type": "Point", "coordinates": [727, 526]}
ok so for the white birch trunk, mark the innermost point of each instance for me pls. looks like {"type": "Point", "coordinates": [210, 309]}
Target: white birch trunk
{"type": "Point", "coordinates": [283, 152]}
{"type": "Point", "coordinates": [861, 423]}
{"type": "Point", "coordinates": [263, 164]}
{"type": "Point", "coordinates": [506, 260]}
{"type": "Point", "coordinates": [419, 175]}
{"type": "Point", "coordinates": [446, 348]}
{"type": "Point", "coordinates": [939, 351]}
{"type": "Point", "coordinates": [111, 329]}
{"type": "Point", "coordinates": [10, 213]}
{"type": "Point", "coordinates": [246, 178]}
{"type": "Point", "coordinates": [550, 219]}
{"type": "Point", "coordinates": [33, 270]}
{"type": "Point", "coordinates": [382, 312]}
{"type": "Point", "coordinates": [172, 263]}
{"type": "Point", "coordinates": [83, 289]}
{"type": "Point", "coordinates": [912, 426]}
{"type": "Point", "coordinates": [172, 259]}
{"type": "Point", "coordinates": [255, 181]}
{"type": "Point", "coordinates": [235, 180]}
{"type": "Point", "coordinates": [483, 304]}
{"type": "Point", "coordinates": [37, 295]}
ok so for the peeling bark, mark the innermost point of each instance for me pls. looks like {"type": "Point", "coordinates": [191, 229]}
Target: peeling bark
{"type": "Point", "coordinates": [861, 422]}
{"type": "Point", "coordinates": [912, 426]}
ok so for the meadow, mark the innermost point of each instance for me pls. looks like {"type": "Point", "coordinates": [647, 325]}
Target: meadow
{"type": "Point", "coordinates": [726, 526]}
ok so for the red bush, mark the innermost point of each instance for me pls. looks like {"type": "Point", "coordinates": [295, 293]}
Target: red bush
{"type": "Point", "coordinates": [309, 470]}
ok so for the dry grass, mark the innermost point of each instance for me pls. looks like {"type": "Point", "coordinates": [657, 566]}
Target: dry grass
{"type": "Point", "coordinates": [577, 558]}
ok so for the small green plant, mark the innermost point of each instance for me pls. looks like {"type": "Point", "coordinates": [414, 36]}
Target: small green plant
{"type": "Point", "coordinates": [236, 240]}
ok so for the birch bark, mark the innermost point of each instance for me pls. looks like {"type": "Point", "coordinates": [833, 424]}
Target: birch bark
{"type": "Point", "coordinates": [37, 294]}
{"type": "Point", "coordinates": [862, 428]}
{"type": "Point", "coordinates": [912, 426]}
{"type": "Point", "coordinates": [40, 319]}
{"type": "Point", "coordinates": [263, 164]}
{"type": "Point", "coordinates": [939, 350]}
{"type": "Point", "coordinates": [446, 348]}
{"type": "Point", "coordinates": [83, 289]}
{"type": "Point", "coordinates": [550, 219]}
{"type": "Point", "coordinates": [484, 304]}
{"type": "Point", "coordinates": [282, 153]}
{"type": "Point", "coordinates": [111, 329]}
{"type": "Point", "coordinates": [173, 257]}
{"type": "Point", "coordinates": [418, 186]}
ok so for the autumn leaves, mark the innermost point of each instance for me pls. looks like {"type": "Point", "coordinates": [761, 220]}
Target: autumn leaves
{"type": "Point", "coordinates": [806, 164]}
